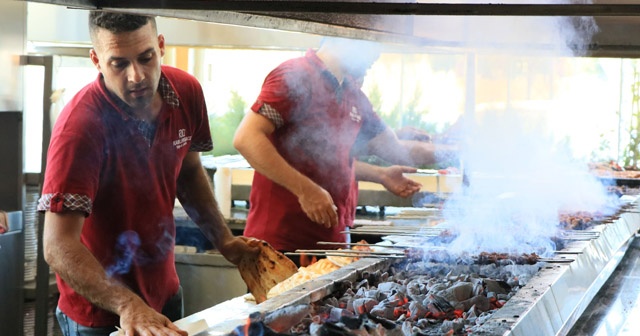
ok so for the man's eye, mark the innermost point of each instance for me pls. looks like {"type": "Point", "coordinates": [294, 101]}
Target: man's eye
{"type": "Point", "coordinates": [146, 59]}
{"type": "Point", "coordinates": [119, 65]}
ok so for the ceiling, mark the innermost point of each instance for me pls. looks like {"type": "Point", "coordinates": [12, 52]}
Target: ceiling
{"type": "Point", "coordinates": [605, 28]}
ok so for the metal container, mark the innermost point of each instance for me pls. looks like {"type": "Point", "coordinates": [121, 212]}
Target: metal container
{"type": "Point", "coordinates": [12, 275]}
{"type": "Point", "coordinates": [207, 279]}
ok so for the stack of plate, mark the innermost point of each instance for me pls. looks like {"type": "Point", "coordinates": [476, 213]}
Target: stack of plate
{"type": "Point", "coordinates": [29, 319]}
{"type": "Point", "coordinates": [31, 233]}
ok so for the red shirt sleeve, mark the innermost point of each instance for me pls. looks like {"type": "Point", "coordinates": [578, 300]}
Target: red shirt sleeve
{"type": "Point", "coordinates": [285, 88]}
{"type": "Point", "coordinates": [74, 159]}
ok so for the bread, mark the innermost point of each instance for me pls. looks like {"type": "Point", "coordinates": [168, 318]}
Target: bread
{"type": "Point", "coordinates": [265, 270]}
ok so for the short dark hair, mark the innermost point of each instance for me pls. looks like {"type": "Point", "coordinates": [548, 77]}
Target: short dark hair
{"type": "Point", "coordinates": [117, 22]}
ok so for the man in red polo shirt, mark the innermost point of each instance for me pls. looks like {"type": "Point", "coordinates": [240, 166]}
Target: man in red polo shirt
{"type": "Point", "coordinates": [301, 137]}
{"type": "Point", "coordinates": [121, 151]}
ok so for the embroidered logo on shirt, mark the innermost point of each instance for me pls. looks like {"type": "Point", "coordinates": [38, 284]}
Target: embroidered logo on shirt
{"type": "Point", "coordinates": [355, 115]}
{"type": "Point", "coordinates": [183, 139]}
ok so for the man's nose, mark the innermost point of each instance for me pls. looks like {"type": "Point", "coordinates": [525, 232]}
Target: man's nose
{"type": "Point", "coordinates": [135, 73]}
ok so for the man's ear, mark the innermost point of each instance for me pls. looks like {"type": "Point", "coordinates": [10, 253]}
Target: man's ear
{"type": "Point", "coordinates": [94, 58]}
{"type": "Point", "coordinates": [161, 44]}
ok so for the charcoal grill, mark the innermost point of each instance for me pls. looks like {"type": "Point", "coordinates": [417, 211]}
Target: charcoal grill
{"type": "Point", "coordinates": [549, 304]}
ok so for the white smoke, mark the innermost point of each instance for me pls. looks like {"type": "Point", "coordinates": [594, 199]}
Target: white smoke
{"type": "Point", "coordinates": [560, 36]}
{"type": "Point", "coordinates": [520, 176]}
{"type": "Point", "coordinates": [520, 179]}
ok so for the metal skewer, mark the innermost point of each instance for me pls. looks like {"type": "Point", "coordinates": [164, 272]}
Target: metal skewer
{"type": "Point", "coordinates": [351, 252]}
{"type": "Point", "coordinates": [386, 246]}
{"type": "Point", "coordinates": [556, 260]}
{"type": "Point", "coordinates": [386, 233]}
{"type": "Point", "coordinates": [344, 255]}
{"type": "Point", "coordinates": [400, 228]}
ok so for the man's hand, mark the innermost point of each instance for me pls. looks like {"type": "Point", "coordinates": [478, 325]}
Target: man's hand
{"type": "Point", "coordinates": [318, 205]}
{"type": "Point", "coordinates": [138, 319]}
{"type": "Point", "coordinates": [393, 180]}
{"type": "Point", "coordinates": [412, 133]}
{"type": "Point", "coordinates": [237, 248]}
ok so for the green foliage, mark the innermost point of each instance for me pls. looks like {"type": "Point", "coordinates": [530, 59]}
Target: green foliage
{"type": "Point", "coordinates": [631, 155]}
{"type": "Point", "coordinates": [375, 97]}
{"type": "Point", "coordinates": [409, 114]}
{"type": "Point", "coordinates": [399, 116]}
{"type": "Point", "coordinates": [224, 127]}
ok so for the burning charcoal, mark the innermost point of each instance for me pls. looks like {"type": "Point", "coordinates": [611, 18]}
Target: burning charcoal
{"type": "Point", "coordinates": [471, 313]}
{"type": "Point", "coordinates": [448, 326]}
{"type": "Point", "coordinates": [352, 322]}
{"type": "Point", "coordinates": [438, 288]}
{"type": "Point", "coordinates": [332, 329]}
{"type": "Point", "coordinates": [346, 302]}
{"type": "Point", "coordinates": [418, 298]}
{"type": "Point", "coordinates": [416, 290]}
{"type": "Point", "coordinates": [381, 331]}
{"type": "Point", "coordinates": [497, 286]}
{"type": "Point", "coordinates": [362, 284]}
{"type": "Point", "coordinates": [504, 297]}
{"type": "Point", "coordinates": [483, 318]}
{"type": "Point", "coordinates": [386, 323]}
{"type": "Point", "coordinates": [373, 277]}
{"type": "Point", "coordinates": [384, 309]}
{"type": "Point", "coordinates": [372, 294]}
{"type": "Point", "coordinates": [478, 288]}
{"type": "Point", "coordinates": [397, 274]}
{"type": "Point", "coordinates": [255, 328]}
{"type": "Point", "coordinates": [437, 305]}
{"type": "Point", "coordinates": [363, 305]}
{"type": "Point", "coordinates": [417, 310]}
{"type": "Point", "coordinates": [407, 329]}
{"type": "Point", "coordinates": [301, 327]}
{"type": "Point", "coordinates": [422, 323]}
{"type": "Point", "coordinates": [458, 292]}
{"type": "Point", "coordinates": [283, 319]}
{"type": "Point", "coordinates": [336, 314]}
{"type": "Point", "coordinates": [513, 282]}
{"type": "Point", "coordinates": [314, 329]}
{"type": "Point", "coordinates": [331, 301]}
{"type": "Point", "coordinates": [481, 302]}
{"type": "Point", "coordinates": [397, 299]}
{"type": "Point", "coordinates": [390, 286]}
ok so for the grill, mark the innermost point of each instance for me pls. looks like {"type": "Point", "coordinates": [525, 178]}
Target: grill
{"type": "Point", "coordinates": [549, 303]}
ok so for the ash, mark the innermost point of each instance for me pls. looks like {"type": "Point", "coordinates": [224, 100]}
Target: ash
{"type": "Point", "coordinates": [416, 298]}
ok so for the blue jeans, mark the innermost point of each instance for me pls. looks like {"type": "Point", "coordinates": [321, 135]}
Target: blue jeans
{"type": "Point", "coordinates": [173, 309]}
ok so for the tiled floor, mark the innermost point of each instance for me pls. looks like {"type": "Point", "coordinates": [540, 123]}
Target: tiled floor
{"type": "Point", "coordinates": [615, 310]}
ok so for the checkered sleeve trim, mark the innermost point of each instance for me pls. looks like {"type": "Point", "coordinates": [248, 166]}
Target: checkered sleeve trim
{"type": "Point", "coordinates": [202, 146]}
{"type": "Point", "coordinates": [271, 114]}
{"type": "Point", "coordinates": [65, 202]}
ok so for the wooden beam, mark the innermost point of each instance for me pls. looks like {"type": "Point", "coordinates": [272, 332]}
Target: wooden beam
{"type": "Point", "coordinates": [380, 8]}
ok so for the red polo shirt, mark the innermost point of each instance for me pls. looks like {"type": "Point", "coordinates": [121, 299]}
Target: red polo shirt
{"type": "Point", "coordinates": [99, 162]}
{"type": "Point", "coordinates": [317, 122]}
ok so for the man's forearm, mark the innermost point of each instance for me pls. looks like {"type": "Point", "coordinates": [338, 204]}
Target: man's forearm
{"type": "Point", "coordinates": [75, 264]}
{"type": "Point", "coordinates": [266, 160]}
{"type": "Point", "coordinates": [367, 172]}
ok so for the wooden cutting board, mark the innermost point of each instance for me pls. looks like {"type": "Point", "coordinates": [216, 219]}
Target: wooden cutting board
{"type": "Point", "coordinates": [265, 270]}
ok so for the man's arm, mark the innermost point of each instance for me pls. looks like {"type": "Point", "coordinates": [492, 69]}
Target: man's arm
{"type": "Point", "coordinates": [73, 262]}
{"type": "Point", "coordinates": [252, 141]}
{"type": "Point", "coordinates": [392, 178]}
{"type": "Point", "coordinates": [195, 194]}
{"type": "Point", "coordinates": [387, 146]}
